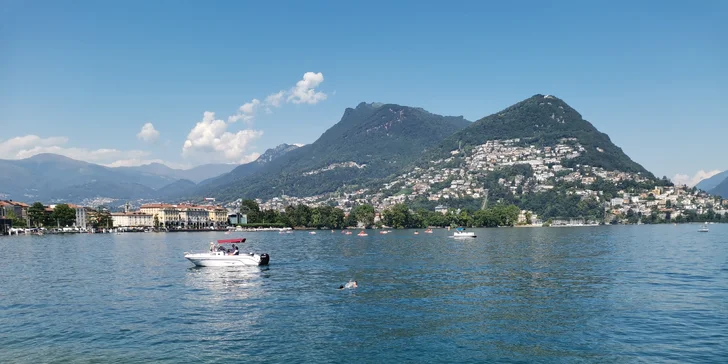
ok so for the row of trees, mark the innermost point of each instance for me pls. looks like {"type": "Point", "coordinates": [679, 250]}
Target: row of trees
{"type": "Point", "coordinates": [306, 216]}
{"type": "Point", "coordinates": [654, 217]}
{"type": "Point", "coordinates": [400, 216]}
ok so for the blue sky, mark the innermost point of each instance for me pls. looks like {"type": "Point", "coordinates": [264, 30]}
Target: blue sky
{"type": "Point", "coordinates": [82, 78]}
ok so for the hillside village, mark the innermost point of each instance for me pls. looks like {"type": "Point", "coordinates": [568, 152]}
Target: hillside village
{"type": "Point", "coordinates": [462, 175]}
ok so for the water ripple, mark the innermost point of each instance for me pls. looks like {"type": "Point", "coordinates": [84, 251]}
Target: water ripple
{"type": "Point", "coordinates": [609, 294]}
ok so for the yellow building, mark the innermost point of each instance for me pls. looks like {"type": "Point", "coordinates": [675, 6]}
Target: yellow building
{"type": "Point", "coordinates": [132, 219]}
{"type": "Point", "coordinates": [165, 214]}
{"type": "Point", "coordinates": [218, 215]}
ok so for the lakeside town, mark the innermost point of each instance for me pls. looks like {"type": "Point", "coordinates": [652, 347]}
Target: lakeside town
{"type": "Point", "coordinates": [473, 174]}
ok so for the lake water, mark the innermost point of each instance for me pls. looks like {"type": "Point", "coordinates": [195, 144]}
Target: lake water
{"type": "Point", "coordinates": [600, 294]}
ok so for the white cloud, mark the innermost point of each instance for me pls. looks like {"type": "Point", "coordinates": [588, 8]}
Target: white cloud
{"type": "Point", "coordinates": [133, 162]}
{"type": "Point", "coordinates": [249, 107]}
{"type": "Point", "coordinates": [246, 112]}
{"type": "Point", "coordinates": [304, 92]}
{"type": "Point", "coordinates": [209, 139]}
{"type": "Point", "coordinates": [148, 133]}
{"type": "Point", "coordinates": [30, 145]}
{"type": "Point", "coordinates": [10, 147]}
{"type": "Point", "coordinates": [275, 99]}
{"type": "Point", "coordinates": [684, 179]}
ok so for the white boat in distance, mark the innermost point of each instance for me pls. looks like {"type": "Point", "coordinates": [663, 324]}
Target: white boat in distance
{"type": "Point", "coordinates": [219, 256]}
{"type": "Point", "coordinates": [704, 228]}
{"type": "Point", "coordinates": [462, 234]}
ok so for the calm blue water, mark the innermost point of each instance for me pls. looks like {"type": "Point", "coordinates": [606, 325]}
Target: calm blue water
{"type": "Point", "coordinates": [608, 294]}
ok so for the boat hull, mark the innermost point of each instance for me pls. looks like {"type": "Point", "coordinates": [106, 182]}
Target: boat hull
{"type": "Point", "coordinates": [214, 260]}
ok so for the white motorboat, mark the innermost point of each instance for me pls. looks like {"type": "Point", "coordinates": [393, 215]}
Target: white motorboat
{"type": "Point", "coordinates": [462, 234]}
{"type": "Point", "coordinates": [219, 256]}
{"type": "Point", "coordinates": [704, 228]}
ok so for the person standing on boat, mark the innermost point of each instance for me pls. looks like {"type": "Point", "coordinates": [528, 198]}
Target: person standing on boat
{"type": "Point", "coordinates": [236, 250]}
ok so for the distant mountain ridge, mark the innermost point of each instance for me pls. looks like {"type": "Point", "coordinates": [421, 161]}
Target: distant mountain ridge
{"type": "Point", "coordinates": [195, 174]}
{"type": "Point", "coordinates": [710, 183]}
{"type": "Point", "coordinates": [52, 177]}
{"type": "Point", "coordinates": [721, 189]}
{"type": "Point", "coordinates": [37, 177]}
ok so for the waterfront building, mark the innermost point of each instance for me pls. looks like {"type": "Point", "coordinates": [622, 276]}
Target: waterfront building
{"type": "Point", "coordinates": [83, 216]}
{"type": "Point", "coordinates": [132, 219]}
{"type": "Point", "coordinates": [238, 219]}
{"type": "Point", "coordinates": [19, 209]}
{"type": "Point", "coordinates": [218, 215]}
{"type": "Point", "coordinates": [165, 214]}
{"type": "Point", "coordinates": [193, 216]}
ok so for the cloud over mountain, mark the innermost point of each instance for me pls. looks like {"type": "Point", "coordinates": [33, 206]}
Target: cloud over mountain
{"type": "Point", "coordinates": [148, 133]}
{"type": "Point", "coordinates": [684, 179]}
{"type": "Point", "coordinates": [210, 139]}
{"type": "Point", "coordinates": [30, 145]}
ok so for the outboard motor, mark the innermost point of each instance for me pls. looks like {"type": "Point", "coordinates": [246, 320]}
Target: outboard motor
{"type": "Point", "coordinates": [264, 259]}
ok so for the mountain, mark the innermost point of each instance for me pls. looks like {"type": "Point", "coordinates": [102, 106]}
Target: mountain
{"type": "Point", "coordinates": [47, 176]}
{"type": "Point", "coordinates": [543, 120]}
{"type": "Point", "coordinates": [274, 153]}
{"type": "Point", "coordinates": [247, 169]}
{"type": "Point", "coordinates": [174, 189]}
{"type": "Point", "coordinates": [196, 174]}
{"type": "Point", "coordinates": [710, 183]}
{"type": "Point", "coordinates": [721, 189]}
{"type": "Point", "coordinates": [116, 190]}
{"type": "Point", "coordinates": [370, 142]}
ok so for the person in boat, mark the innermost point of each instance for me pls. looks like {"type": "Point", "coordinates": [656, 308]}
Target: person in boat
{"type": "Point", "coordinates": [236, 252]}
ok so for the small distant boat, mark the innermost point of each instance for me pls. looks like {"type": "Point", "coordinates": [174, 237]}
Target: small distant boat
{"type": "Point", "coordinates": [384, 232]}
{"type": "Point", "coordinates": [460, 233]}
{"type": "Point", "coordinates": [428, 231]}
{"type": "Point", "coordinates": [417, 233]}
{"type": "Point", "coordinates": [312, 232]}
{"type": "Point", "coordinates": [704, 228]}
{"type": "Point", "coordinates": [362, 233]}
{"type": "Point", "coordinates": [347, 233]}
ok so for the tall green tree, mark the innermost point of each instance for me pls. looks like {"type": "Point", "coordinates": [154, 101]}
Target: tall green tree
{"type": "Point", "coordinates": [252, 209]}
{"type": "Point", "coordinates": [37, 214]}
{"type": "Point", "coordinates": [102, 218]}
{"type": "Point", "coordinates": [364, 214]}
{"type": "Point", "coordinates": [64, 215]}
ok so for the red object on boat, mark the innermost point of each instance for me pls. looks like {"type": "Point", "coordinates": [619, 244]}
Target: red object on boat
{"type": "Point", "coordinates": [231, 241]}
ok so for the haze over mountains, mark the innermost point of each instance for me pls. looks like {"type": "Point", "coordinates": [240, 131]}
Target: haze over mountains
{"type": "Point", "coordinates": [371, 144]}
{"type": "Point", "coordinates": [716, 185]}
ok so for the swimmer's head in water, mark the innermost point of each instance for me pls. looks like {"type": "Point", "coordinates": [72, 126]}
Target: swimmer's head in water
{"type": "Point", "coordinates": [341, 287]}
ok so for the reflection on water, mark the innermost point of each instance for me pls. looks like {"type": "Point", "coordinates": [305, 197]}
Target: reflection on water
{"type": "Point", "coordinates": [218, 284]}
{"type": "Point", "coordinates": [607, 294]}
